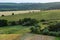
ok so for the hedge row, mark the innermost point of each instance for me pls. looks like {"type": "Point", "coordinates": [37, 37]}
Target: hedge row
{"type": "Point", "coordinates": [52, 30]}
{"type": "Point", "coordinates": [24, 22]}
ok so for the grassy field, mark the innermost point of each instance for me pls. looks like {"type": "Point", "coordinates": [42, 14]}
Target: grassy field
{"type": "Point", "coordinates": [14, 30]}
{"type": "Point", "coordinates": [57, 38]}
{"type": "Point", "coordinates": [9, 36]}
{"type": "Point", "coordinates": [53, 15]}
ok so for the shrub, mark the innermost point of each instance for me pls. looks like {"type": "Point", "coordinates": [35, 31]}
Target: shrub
{"type": "Point", "coordinates": [35, 29]}
{"type": "Point", "coordinates": [3, 22]}
{"type": "Point", "coordinates": [28, 22]}
{"type": "Point", "coordinates": [43, 20]}
{"type": "Point", "coordinates": [20, 22]}
{"type": "Point", "coordinates": [52, 30]}
{"type": "Point", "coordinates": [55, 27]}
{"type": "Point", "coordinates": [44, 23]}
{"type": "Point", "coordinates": [54, 34]}
{"type": "Point", "coordinates": [45, 31]}
{"type": "Point", "coordinates": [2, 15]}
{"type": "Point", "coordinates": [12, 23]}
{"type": "Point", "coordinates": [12, 13]}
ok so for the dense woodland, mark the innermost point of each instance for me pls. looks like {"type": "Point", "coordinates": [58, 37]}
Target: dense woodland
{"type": "Point", "coordinates": [29, 6]}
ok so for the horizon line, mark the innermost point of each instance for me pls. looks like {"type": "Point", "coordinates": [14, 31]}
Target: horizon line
{"type": "Point", "coordinates": [28, 2]}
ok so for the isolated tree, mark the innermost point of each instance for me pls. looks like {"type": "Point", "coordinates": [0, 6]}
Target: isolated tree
{"type": "Point", "coordinates": [2, 15]}
{"type": "Point", "coordinates": [12, 13]}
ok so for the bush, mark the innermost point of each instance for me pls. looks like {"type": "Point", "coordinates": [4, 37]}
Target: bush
{"type": "Point", "coordinates": [43, 20]}
{"type": "Point", "coordinates": [12, 13]}
{"type": "Point", "coordinates": [52, 30]}
{"type": "Point", "coordinates": [28, 22]}
{"type": "Point", "coordinates": [35, 29]}
{"type": "Point", "coordinates": [45, 31]}
{"type": "Point", "coordinates": [2, 15]}
{"type": "Point", "coordinates": [44, 23]}
{"type": "Point", "coordinates": [12, 23]}
{"type": "Point", "coordinates": [55, 27]}
{"type": "Point", "coordinates": [3, 22]}
{"type": "Point", "coordinates": [57, 34]}
{"type": "Point", "coordinates": [20, 22]}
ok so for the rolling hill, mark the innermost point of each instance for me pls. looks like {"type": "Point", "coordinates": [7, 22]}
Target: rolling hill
{"type": "Point", "coordinates": [29, 6]}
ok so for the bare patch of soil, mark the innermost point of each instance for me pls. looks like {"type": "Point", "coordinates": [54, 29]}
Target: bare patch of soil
{"type": "Point", "coordinates": [40, 37]}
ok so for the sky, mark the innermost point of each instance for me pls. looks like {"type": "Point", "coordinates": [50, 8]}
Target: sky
{"type": "Point", "coordinates": [30, 1]}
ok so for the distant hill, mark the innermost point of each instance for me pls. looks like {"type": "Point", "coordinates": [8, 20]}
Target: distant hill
{"type": "Point", "coordinates": [29, 6]}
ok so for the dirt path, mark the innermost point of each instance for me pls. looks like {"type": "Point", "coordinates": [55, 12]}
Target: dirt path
{"type": "Point", "coordinates": [39, 37]}
{"type": "Point", "coordinates": [42, 37]}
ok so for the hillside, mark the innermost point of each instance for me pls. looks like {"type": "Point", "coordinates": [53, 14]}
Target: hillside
{"type": "Point", "coordinates": [28, 6]}
{"type": "Point", "coordinates": [18, 32]}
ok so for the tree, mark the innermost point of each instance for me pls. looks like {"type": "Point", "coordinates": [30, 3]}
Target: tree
{"type": "Point", "coordinates": [2, 15]}
{"type": "Point", "coordinates": [12, 13]}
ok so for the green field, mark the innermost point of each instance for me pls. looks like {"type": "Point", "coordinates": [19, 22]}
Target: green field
{"type": "Point", "coordinates": [57, 38]}
{"type": "Point", "coordinates": [48, 15]}
{"type": "Point", "coordinates": [14, 30]}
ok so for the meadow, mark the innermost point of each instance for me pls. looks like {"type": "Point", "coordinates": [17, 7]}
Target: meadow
{"type": "Point", "coordinates": [51, 15]}
{"type": "Point", "coordinates": [14, 29]}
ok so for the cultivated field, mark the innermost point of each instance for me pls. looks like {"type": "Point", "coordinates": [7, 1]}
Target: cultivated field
{"type": "Point", "coordinates": [6, 13]}
{"type": "Point", "coordinates": [48, 15]}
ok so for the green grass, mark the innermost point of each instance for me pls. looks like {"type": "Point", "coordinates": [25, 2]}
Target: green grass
{"type": "Point", "coordinates": [14, 30]}
{"type": "Point", "coordinates": [48, 15]}
{"type": "Point", "coordinates": [57, 38]}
